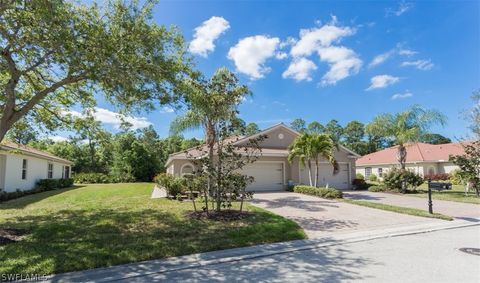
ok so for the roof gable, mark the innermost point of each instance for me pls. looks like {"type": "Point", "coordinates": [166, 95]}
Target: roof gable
{"type": "Point", "coordinates": [27, 150]}
{"type": "Point", "coordinates": [277, 137]}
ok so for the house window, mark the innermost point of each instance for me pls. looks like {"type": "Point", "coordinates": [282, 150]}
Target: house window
{"type": "Point", "coordinates": [66, 172]}
{"type": "Point", "coordinates": [380, 171]}
{"type": "Point", "coordinates": [368, 171]}
{"type": "Point", "coordinates": [24, 169]}
{"type": "Point", "coordinates": [186, 169]}
{"type": "Point", "coordinates": [50, 171]}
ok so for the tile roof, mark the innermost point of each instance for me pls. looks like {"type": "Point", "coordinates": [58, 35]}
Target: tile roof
{"type": "Point", "coordinates": [8, 146]}
{"type": "Point", "coordinates": [416, 152]}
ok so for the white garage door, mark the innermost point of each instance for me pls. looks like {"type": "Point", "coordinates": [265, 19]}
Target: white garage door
{"type": "Point", "coordinates": [268, 176]}
{"type": "Point", "coordinates": [325, 176]}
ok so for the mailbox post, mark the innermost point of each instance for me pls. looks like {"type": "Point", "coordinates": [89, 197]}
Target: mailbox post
{"type": "Point", "coordinates": [430, 205]}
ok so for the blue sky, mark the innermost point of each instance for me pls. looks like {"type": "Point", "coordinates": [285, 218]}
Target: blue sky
{"type": "Point", "coordinates": [322, 60]}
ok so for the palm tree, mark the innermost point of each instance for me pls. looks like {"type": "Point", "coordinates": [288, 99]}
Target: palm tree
{"type": "Point", "coordinates": [313, 147]}
{"type": "Point", "coordinates": [405, 127]}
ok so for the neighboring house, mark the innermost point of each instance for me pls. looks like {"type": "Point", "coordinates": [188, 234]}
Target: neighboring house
{"type": "Point", "coordinates": [22, 166]}
{"type": "Point", "coordinates": [424, 159]}
{"type": "Point", "coordinates": [272, 171]}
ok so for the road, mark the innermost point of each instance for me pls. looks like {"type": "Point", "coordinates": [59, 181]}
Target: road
{"type": "Point", "coordinates": [424, 257]}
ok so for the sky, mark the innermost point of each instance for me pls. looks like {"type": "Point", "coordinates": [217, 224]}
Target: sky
{"type": "Point", "coordinates": [323, 60]}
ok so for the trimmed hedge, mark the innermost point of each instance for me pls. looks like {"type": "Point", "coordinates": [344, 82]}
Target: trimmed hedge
{"type": "Point", "coordinates": [42, 185]}
{"type": "Point", "coordinates": [377, 189]}
{"type": "Point", "coordinates": [100, 178]}
{"type": "Point", "coordinates": [329, 193]}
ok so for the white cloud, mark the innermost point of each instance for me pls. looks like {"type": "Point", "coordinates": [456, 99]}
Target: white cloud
{"type": "Point", "coordinates": [311, 39]}
{"type": "Point", "coordinates": [406, 52]}
{"type": "Point", "coordinates": [166, 109]}
{"type": "Point", "coordinates": [403, 7]}
{"type": "Point", "coordinates": [281, 55]}
{"type": "Point", "coordinates": [206, 34]}
{"type": "Point", "coordinates": [58, 138]}
{"type": "Point", "coordinates": [300, 69]}
{"type": "Point", "coordinates": [113, 118]}
{"type": "Point", "coordinates": [402, 95]}
{"type": "Point", "coordinates": [250, 54]}
{"type": "Point", "coordinates": [382, 81]}
{"type": "Point", "coordinates": [343, 63]}
{"type": "Point", "coordinates": [379, 59]}
{"type": "Point", "coordinates": [423, 65]}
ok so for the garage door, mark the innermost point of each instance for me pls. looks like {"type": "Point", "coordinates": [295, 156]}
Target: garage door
{"type": "Point", "coordinates": [268, 176]}
{"type": "Point", "coordinates": [325, 176]}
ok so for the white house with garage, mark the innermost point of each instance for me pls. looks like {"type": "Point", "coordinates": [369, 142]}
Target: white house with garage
{"type": "Point", "coordinates": [22, 166]}
{"type": "Point", "coordinates": [272, 171]}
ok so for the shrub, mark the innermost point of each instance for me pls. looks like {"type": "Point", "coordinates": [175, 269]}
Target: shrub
{"type": "Point", "coordinates": [372, 177]}
{"type": "Point", "coordinates": [360, 176]}
{"type": "Point", "coordinates": [437, 177]}
{"type": "Point", "coordinates": [359, 184]}
{"type": "Point", "coordinates": [376, 189]}
{"type": "Point", "coordinates": [101, 178]}
{"type": "Point", "coordinates": [329, 193]}
{"type": "Point", "coordinates": [173, 185]}
{"type": "Point", "coordinates": [393, 179]}
{"type": "Point", "coordinates": [41, 186]}
{"type": "Point", "coordinates": [455, 177]}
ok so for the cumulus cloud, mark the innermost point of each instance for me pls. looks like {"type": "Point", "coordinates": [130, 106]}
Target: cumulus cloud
{"type": "Point", "coordinates": [382, 81]}
{"type": "Point", "coordinates": [402, 8]}
{"type": "Point", "coordinates": [113, 118]}
{"type": "Point", "coordinates": [251, 53]}
{"type": "Point", "coordinates": [402, 95]}
{"type": "Point", "coordinates": [343, 63]}
{"type": "Point", "coordinates": [423, 65]}
{"type": "Point", "coordinates": [300, 70]}
{"type": "Point", "coordinates": [166, 109]}
{"type": "Point", "coordinates": [206, 34]}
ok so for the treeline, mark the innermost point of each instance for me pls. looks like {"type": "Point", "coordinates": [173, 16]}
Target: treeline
{"type": "Point", "coordinates": [129, 154]}
{"type": "Point", "coordinates": [357, 136]}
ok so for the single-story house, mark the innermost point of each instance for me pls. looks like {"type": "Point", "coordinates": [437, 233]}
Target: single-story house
{"type": "Point", "coordinates": [272, 171]}
{"type": "Point", "coordinates": [22, 166]}
{"type": "Point", "coordinates": [424, 159]}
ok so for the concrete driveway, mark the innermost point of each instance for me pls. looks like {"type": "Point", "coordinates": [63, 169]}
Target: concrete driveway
{"type": "Point", "coordinates": [320, 217]}
{"type": "Point", "coordinates": [464, 211]}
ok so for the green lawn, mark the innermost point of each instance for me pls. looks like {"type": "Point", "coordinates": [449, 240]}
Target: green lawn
{"type": "Point", "coordinates": [398, 209]}
{"type": "Point", "coordinates": [456, 194]}
{"type": "Point", "coordinates": [103, 225]}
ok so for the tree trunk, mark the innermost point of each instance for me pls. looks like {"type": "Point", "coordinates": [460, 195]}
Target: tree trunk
{"type": "Point", "coordinates": [316, 172]}
{"type": "Point", "coordinates": [309, 163]}
{"type": "Point", "coordinates": [402, 159]}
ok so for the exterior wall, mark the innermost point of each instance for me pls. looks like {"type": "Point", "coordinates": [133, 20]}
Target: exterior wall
{"type": "Point", "coordinates": [3, 165]}
{"type": "Point", "coordinates": [419, 168]}
{"type": "Point", "coordinates": [37, 169]}
{"type": "Point", "coordinates": [273, 140]}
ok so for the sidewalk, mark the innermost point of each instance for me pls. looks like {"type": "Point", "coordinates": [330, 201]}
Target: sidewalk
{"type": "Point", "coordinates": [135, 271]}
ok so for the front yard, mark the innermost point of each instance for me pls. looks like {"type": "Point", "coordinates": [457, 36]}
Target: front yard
{"type": "Point", "coordinates": [456, 194]}
{"type": "Point", "coordinates": [109, 224]}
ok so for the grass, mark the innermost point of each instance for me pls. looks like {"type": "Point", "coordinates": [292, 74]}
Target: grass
{"type": "Point", "coordinates": [102, 225]}
{"type": "Point", "coordinates": [398, 209]}
{"type": "Point", "coordinates": [456, 194]}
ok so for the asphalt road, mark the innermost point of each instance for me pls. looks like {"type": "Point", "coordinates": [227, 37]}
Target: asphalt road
{"type": "Point", "coordinates": [425, 257]}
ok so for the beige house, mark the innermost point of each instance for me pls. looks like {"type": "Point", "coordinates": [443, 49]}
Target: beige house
{"type": "Point", "coordinates": [272, 171]}
{"type": "Point", "coordinates": [424, 159]}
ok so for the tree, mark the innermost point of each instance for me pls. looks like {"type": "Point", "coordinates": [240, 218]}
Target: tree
{"type": "Point", "coordinates": [316, 128]}
{"type": "Point", "coordinates": [474, 114]}
{"type": "Point", "coordinates": [22, 132]}
{"type": "Point", "coordinates": [334, 130]}
{"type": "Point", "coordinates": [353, 132]}
{"type": "Point", "coordinates": [211, 103]}
{"type": "Point", "coordinates": [405, 127]}
{"type": "Point", "coordinates": [54, 54]}
{"type": "Point", "coordinates": [434, 139]}
{"type": "Point", "coordinates": [251, 129]}
{"type": "Point", "coordinates": [310, 148]}
{"type": "Point", "coordinates": [298, 125]}
{"type": "Point", "coordinates": [469, 164]}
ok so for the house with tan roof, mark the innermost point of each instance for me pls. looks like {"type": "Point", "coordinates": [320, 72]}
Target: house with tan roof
{"type": "Point", "coordinates": [272, 171]}
{"type": "Point", "coordinates": [22, 166]}
{"type": "Point", "coordinates": [424, 159]}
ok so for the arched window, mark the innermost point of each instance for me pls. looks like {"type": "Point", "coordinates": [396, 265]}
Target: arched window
{"type": "Point", "coordinates": [186, 169]}
{"type": "Point", "coordinates": [431, 170]}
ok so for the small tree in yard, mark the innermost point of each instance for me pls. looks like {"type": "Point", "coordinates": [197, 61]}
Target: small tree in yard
{"type": "Point", "coordinates": [470, 166]}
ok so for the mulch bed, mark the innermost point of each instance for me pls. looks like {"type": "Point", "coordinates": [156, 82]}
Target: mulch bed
{"type": "Point", "coordinates": [8, 236]}
{"type": "Point", "coordinates": [224, 215]}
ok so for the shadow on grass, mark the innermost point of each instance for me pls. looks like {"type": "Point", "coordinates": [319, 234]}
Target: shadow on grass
{"type": "Point", "coordinates": [33, 198]}
{"type": "Point", "coordinates": [70, 240]}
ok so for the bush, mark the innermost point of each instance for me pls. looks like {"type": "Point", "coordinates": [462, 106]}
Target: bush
{"type": "Point", "coordinates": [173, 185]}
{"type": "Point", "coordinates": [101, 178]}
{"type": "Point", "coordinates": [329, 193]}
{"type": "Point", "coordinates": [360, 176]}
{"type": "Point", "coordinates": [376, 189]}
{"type": "Point", "coordinates": [455, 177]}
{"type": "Point", "coordinates": [359, 184]}
{"type": "Point", "coordinates": [437, 177]}
{"type": "Point", "coordinates": [42, 185]}
{"type": "Point", "coordinates": [393, 179]}
{"type": "Point", "coordinates": [372, 178]}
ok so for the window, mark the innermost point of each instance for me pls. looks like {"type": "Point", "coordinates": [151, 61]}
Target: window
{"type": "Point", "coordinates": [24, 169]}
{"type": "Point", "coordinates": [368, 171]}
{"type": "Point", "coordinates": [380, 171]}
{"type": "Point", "coordinates": [50, 171]}
{"type": "Point", "coordinates": [186, 169]}
{"type": "Point", "coordinates": [66, 172]}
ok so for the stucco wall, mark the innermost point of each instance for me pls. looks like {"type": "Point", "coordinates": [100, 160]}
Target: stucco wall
{"type": "Point", "coordinates": [36, 169]}
{"type": "Point", "coordinates": [273, 140]}
{"type": "Point", "coordinates": [420, 168]}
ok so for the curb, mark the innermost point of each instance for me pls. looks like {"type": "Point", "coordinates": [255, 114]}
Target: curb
{"type": "Point", "coordinates": [140, 269]}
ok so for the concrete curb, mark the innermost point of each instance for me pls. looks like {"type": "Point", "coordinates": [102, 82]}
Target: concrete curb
{"type": "Point", "coordinates": [140, 269]}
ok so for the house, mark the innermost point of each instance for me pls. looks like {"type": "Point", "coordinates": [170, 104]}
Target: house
{"type": "Point", "coordinates": [424, 159]}
{"type": "Point", "coordinates": [272, 171]}
{"type": "Point", "coordinates": [22, 166]}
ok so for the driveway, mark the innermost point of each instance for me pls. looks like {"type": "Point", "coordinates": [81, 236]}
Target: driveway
{"type": "Point", "coordinates": [320, 217]}
{"type": "Point", "coordinates": [460, 210]}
